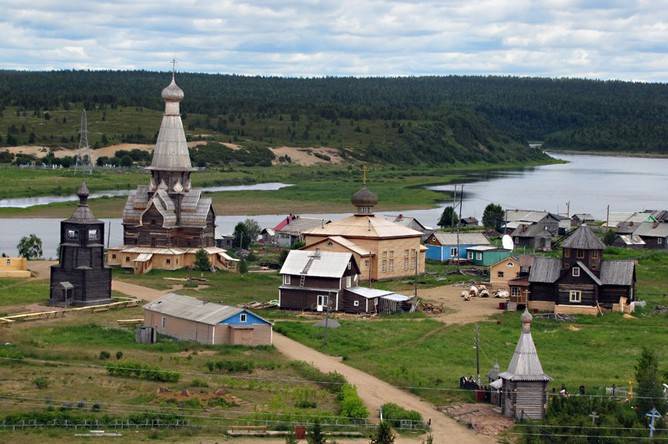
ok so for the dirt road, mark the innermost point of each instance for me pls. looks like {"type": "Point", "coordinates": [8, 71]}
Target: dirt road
{"type": "Point", "coordinates": [375, 392]}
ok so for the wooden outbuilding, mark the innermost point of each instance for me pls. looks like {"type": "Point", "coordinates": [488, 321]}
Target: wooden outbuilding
{"type": "Point", "coordinates": [524, 384]}
{"type": "Point", "coordinates": [190, 319]}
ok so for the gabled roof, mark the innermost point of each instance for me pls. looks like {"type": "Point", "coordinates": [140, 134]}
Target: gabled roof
{"type": "Point", "coordinates": [533, 230]}
{"type": "Point", "coordinates": [464, 238]}
{"type": "Point", "coordinates": [316, 263]}
{"type": "Point", "coordinates": [297, 225]}
{"type": "Point", "coordinates": [345, 243]}
{"type": "Point", "coordinates": [583, 217]}
{"type": "Point", "coordinates": [617, 272]}
{"type": "Point", "coordinates": [194, 207]}
{"type": "Point", "coordinates": [407, 221]}
{"type": "Point", "coordinates": [545, 270]}
{"type": "Point", "coordinates": [652, 229]}
{"type": "Point", "coordinates": [525, 364]}
{"type": "Point", "coordinates": [584, 239]}
{"type": "Point", "coordinates": [527, 215]}
{"type": "Point", "coordinates": [185, 307]}
{"type": "Point", "coordinates": [364, 226]}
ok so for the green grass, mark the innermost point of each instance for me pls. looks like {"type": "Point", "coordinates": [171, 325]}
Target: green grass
{"type": "Point", "coordinates": [23, 291]}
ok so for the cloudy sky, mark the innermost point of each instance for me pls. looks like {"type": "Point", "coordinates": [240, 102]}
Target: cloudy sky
{"type": "Point", "coordinates": [620, 39]}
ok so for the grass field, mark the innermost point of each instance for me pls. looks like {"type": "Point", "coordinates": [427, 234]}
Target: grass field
{"type": "Point", "coordinates": [23, 291]}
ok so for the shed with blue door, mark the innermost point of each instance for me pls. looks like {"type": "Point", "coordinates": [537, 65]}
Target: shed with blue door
{"type": "Point", "coordinates": [487, 255]}
{"type": "Point", "coordinates": [190, 319]}
{"type": "Point", "coordinates": [445, 247]}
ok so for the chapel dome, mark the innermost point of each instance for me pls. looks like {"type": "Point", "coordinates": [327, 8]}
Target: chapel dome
{"type": "Point", "coordinates": [364, 198]}
{"type": "Point", "coordinates": [172, 93]}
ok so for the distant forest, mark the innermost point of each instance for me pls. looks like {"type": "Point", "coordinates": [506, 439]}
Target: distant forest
{"type": "Point", "coordinates": [398, 120]}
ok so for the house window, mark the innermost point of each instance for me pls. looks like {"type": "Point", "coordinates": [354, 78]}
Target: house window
{"type": "Point", "coordinates": [366, 263]}
{"type": "Point", "coordinates": [659, 241]}
{"type": "Point", "coordinates": [286, 279]}
{"type": "Point", "coordinates": [8, 262]}
{"type": "Point", "coordinates": [92, 234]}
{"type": "Point", "coordinates": [391, 265]}
{"type": "Point", "coordinates": [454, 252]}
{"type": "Point", "coordinates": [168, 261]}
{"type": "Point", "coordinates": [391, 254]}
{"type": "Point", "coordinates": [405, 264]}
{"type": "Point", "coordinates": [567, 252]}
{"type": "Point", "coordinates": [322, 299]}
{"type": "Point", "coordinates": [113, 256]}
{"type": "Point", "coordinates": [356, 303]}
{"type": "Point", "coordinates": [127, 258]}
{"type": "Point", "coordinates": [479, 256]}
{"type": "Point", "coordinates": [575, 271]}
{"type": "Point", "coordinates": [515, 291]}
{"type": "Point", "coordinates": [469, 255]}
{"type": "Point", "coordinates": [581, 254]}
{"type": "Point", "coordinates": [348, 281]}
{"type": "Point", "coordinates": [72, 234]}
{"type": "Point", "coordinates": [350, 265]}
{"type": "Point", "coordinates": [499, 274]}
{"type": "Point", "coordinates": [575, 296]}
{"type": "Point", "coordinates": [384, 265]}
{"type": "Point", "coordinates": [594, 254]}
{"type": "Point", "coordinates": [243, 317]}
{"type": "Point", "coordinates": [163, 321]}
{"type": "Point", "coordinates": [510, 265]}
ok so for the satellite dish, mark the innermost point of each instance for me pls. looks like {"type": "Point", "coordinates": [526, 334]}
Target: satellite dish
{"type": "Point", "coordinates": [507, 242]}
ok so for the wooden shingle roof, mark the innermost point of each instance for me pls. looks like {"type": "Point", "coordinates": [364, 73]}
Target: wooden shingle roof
{"type": "Point", "coordinates": [584, 239]}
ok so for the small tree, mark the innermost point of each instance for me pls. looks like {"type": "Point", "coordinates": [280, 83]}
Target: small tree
{"type": "Point", "coordinates": [241, 236]}
{"type": "Point", "coordinates": [493, 217]}
{"type": "Point", "coordinates": [384, 434]}
{"type": "Point", "coordinates": [609, 237]}
{"type": "Point", "coordinates": [202, 262]}
{"type": "Point", "coordinates": [315, 435]}
{"type": "Point", "coordinates": [252, 229]}
{"type": "Point", "coordinates": [649, 393]}
{"type": "Point", "coordinates": [448, 218]}
{"type": "Point", "coordinates": [243, 266]}
{"type": "Point", "coordinates": [30, 247]}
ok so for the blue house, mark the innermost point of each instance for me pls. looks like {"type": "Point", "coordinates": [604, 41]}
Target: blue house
{"type": "Point", "coordinates": [444, 247]}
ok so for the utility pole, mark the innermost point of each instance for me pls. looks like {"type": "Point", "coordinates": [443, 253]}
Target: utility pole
{"type": "Point", "coordinates": [477, 353]}
{"type": "Point", "coordinates": [607, 216]}
{"type": "Point", "coordinates": [417, 263]}
{"type": "Point", "coordinates": [568, 208]}
{"type": "Point", "coordinates": [653, 415]}
{"type": "Point", "coordinates": [459, 219]}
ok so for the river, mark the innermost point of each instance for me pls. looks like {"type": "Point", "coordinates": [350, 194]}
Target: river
{"type": "Point", "coordinates": [590, 183]}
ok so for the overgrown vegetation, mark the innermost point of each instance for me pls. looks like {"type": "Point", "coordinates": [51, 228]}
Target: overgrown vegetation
{"type": "Point", "coordinates": [142, 371]}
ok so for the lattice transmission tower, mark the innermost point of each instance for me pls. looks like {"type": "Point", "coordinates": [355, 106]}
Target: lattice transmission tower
{"type": "Point", "coordinates": [84, 158]}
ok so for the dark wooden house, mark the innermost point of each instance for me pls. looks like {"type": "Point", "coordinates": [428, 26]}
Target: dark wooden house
{"type": "Point", "coordinates": [169, 212]}
{"type": "Point", "coordinates": [328, 281]}
{"type": "Point", "coordinates": [524, 384]}
{"type": "Point", "coordinates": [654, 234]}
{"type": "Point", "coordinates": [81, 278]}
{"type": "Point", "coordinates": [581, 281]}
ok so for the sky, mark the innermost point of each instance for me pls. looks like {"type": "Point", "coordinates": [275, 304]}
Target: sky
{"type": "Point", "coordinates": [617, 39]}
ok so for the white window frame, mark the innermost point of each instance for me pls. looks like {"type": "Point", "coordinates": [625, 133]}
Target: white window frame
{"type": "Point", "coordinates": [287, 279]}
{"type": "Point", "coordinates": [659, 241]}
{"type": "Point", "coordinates": [454, 252]}
{"type": "Point", "coordinates": [163, 322]}
{"type": "Point", "coordinates": [575, 272]}
{"type": "Point", "coordinates": [243, 317]}
{"type": "Point", "coordinates": [72, 234]}
{"type": "Point", "coordinates": [515, 291]}
{"type": "Point", "coordinates": [356, 303]}
{"type": "Point", "coordinates": [478, 256]}
{"type": "Point", "coordinates": [575, 296]}
{"type": "Point", "coordinates": [322, 300]}
{"type": "Point", "coordinates": [348, 281]}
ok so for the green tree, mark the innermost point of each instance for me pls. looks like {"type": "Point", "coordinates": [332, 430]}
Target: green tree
{"type": "Point", "coordinates": [609, 237]}
{"type": "Point", "coordinates": [241, 237]}
{"type": "Point", "coordinates": [202, 262]}
{"type": "Point", "coordinates": [243, 266]}
{"type": "Point", "coordinates": [384, 434]}
{"type": "Point", "coordinates": [649, 392]}
{"type": "Point", "coordinates": [252, 228]}
{"type": "Point", "coordinates": [30, 247]}
{"type": "Point", "coordinates": [126, 161]}
{"type": "Point", "coordinates": [315, 435]}
{"type": "Point", "coordinates": [448, 218]}
{"type": "Point", "coordinates": [493, 217]}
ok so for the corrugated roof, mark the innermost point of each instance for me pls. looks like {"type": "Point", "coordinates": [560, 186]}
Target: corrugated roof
{"type": "Point", "coordinates": [364, 226]}
{"type": "Point", "coordinates": [396, 297]}
{"type": "Point", "coordinates": [185, 307]}
{"type": "Point", "coordinates": [300, 224]}
{"type": "Point", "coordinates": [652, 229]}
{"type": "Point", "coordinates": [525, 364]}
{"type": "Point", "coordinates": [485, 248]}
{"type": "Point", "coordinates": [631, 239]}
{"type": "Point", "coordinates": [464, 238]}
{"type": "Point", "coordinates": [545, 270]}
{"type": "Point", "coordinates": [143, 257]}
{"type": "Point", "coordinates": [525, 215]}
{"type": "Point", "coordinates": [532, 230]}
{"type": "Point", "coordinates": [617, 272]}
{"type": "Point", "coordinates": [583, 238]}
{"type": "Point", "coordinates": [369, 293]}
{"type": "Point", "coordinates": [316, 263]}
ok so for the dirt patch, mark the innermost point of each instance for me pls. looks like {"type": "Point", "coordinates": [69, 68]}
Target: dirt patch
{"type": "Point", "coordinates": [573, 328]}
{"type": "Point", "coordinates": [41, 269]}
{"type": "Point", "coordinates": [308, 156]}
{"type": "Point", "coordinates": [459, 311]}
{"type": "Point", "coordinates": [485, 419]}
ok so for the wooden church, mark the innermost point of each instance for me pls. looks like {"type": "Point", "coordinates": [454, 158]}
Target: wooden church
{"type": "Point", "coordinates": [81, 278]}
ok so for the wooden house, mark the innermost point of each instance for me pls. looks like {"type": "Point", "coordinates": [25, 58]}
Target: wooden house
{"type": "Point", "coordinates": [654, 234]}
{"type": "Point", "coordinates": [14, 267]}
{"type": "Point", "coordinates": [444, 247]}
{"type": "Point", "coordinates": [503, 271]}
{"type": "Point", "coordinates": [395, 250]}
{"type": "Point", "coordinates": [81, 277]}
{"type": "Point", "coordinates": [291, 229]}
{"type": "Point", "coordinates": [581, 281]}
{"type": "Point", "coordinates": [628, 241]}
{"type": "Point", "coordinates": [329, 281]}
{"type": "Point", "coordinates": [546, 220]}
{"type": "Point", "coordinates": [533, 236]}
{"type": "Point", "coordinates": [469, 221]}
{"type": "Point", "coordinates": [524, 384]}
{"type": "Point", "coordinates": [486, 255]}
{"type": "Point", "coordinates": [581, 218]}
{"type": "Point", "coordinates": [190, 319]}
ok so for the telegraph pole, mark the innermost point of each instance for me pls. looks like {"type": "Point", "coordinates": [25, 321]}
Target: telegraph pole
{"type": "Point", "coordinates": [607, 216]}
{"type": "Point", "coordinates": [568, 208]}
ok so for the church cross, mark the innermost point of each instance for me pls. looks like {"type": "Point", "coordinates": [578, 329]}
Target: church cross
{"type": "Point", "coordinates": [173, 68]}
{"type": "Point", "coordinates": [594, 416]}
{"type": "Point", "coordinates": [365, 171]}
{"type": "Point", "coordinates": [653, 415]}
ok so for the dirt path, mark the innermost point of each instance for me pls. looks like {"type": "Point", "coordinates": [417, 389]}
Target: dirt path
{"type": "Point", "coordinates": [460, 311]}
{"type": "Point", "coordinates": [139, 291]}
{"type": "Point", "coordinates": [375, 392]}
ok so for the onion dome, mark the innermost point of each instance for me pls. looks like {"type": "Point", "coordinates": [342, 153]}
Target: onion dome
{"type": "Point", "coordinates": [83, 192]}
{"type": "Point", "coordinates": [526, 320]}
{"type": "Point", "coordinates": [172, 93]}
{"type": "Point", "coordinates": [364, 198]}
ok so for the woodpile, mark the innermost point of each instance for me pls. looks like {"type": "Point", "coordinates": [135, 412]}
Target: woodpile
{"type": "Point", "coordinates": [430, 308]}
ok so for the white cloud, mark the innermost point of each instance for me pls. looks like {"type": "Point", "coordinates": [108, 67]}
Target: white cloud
{"type": "Point", "coordinates": [594, 38]}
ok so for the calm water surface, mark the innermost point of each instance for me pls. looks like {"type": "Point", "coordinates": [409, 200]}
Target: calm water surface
{"type": "Point", "coordinates": [589, 182]}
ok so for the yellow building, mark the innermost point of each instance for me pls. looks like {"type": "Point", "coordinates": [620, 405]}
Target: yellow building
{"type": "Point", "coordinates": [504, 271]}
{"type": "Point", "coordinates": [383, 249]}
{"type": "Point", "coordinates": [14, 267]}
{"type": "Point", "coordinates": [142, 260]}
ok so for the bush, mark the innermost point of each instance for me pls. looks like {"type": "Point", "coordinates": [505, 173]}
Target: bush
{"type": "Point", "coordinates": [231, 366]}
{"type": "Point", "coordinates": [104, 355]}
{"type": "Point", "coordinates": [199, 383]}
{"type": "Point", "coordinates": [142, 371]}
{"type": "Point", "coordinates": [119, 355]}
{"type": "Point", "coordinates": [41, 382]}
{"type": "Point", "coordinates": [394, 414]}
{"type": "Point", "coordinates": [202, 262]}
{"type": "Point", "coordinates": [332, 381]}
{"type": "Point", "coordinates": [351, 404]}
